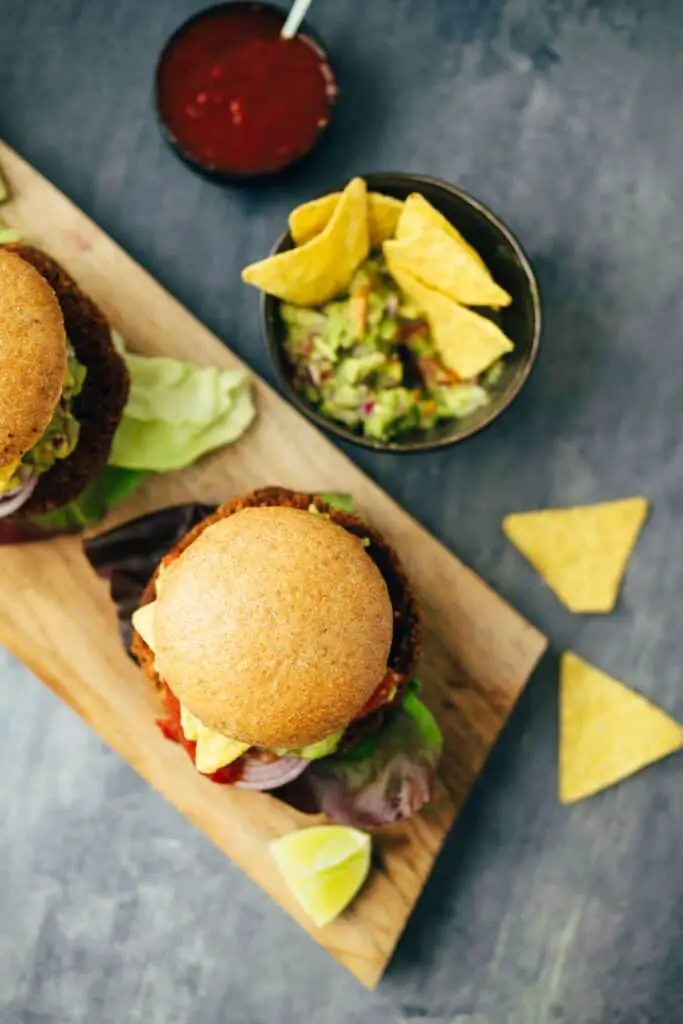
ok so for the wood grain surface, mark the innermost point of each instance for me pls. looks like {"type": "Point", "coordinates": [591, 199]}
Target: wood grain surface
{"type": "Point", "coordinates": [56, 617]}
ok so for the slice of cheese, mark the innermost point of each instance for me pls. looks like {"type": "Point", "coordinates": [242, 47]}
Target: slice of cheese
{"type": "Point", "coordinates": [6, 474]}
{"type": "Point", "coordinates": [190, 724]}
{"type": "Point", "coordinates": [143, 618]}
{"type": "Point", "coordinates": [143, 623]}
{"type": "Point", "coordinates": [213, 750]}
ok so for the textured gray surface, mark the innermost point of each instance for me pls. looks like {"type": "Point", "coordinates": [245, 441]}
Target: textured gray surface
{"type": "Point", "coordinates": [564, 116]}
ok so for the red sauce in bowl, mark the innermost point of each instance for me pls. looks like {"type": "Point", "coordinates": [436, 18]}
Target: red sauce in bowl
{"type": "Point", "coordinates": [236, 99]}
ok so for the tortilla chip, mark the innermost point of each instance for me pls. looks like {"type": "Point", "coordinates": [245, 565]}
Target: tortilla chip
{"type": "Point", "coordinates": [384, 212]}
{"type": "Point", "coordinates": [467, 342]}
{"type": "Point", "coordinates": [312, 274]}
{"type": "Point", "coordinates": [309, 220]}
{"type": "Point", "coordinates": [443, 263]}
{"type": "Point", "coordinates": [419, 215]}
{"type": "Point", "coordinates": [607, 732]}
{"type": "Point", "coordinates": [582, 552]}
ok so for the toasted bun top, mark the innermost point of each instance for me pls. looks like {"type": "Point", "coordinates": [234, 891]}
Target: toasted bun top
{"type": "Point", "coordinates": [273, 627]}
{"type": "Point", "coordinates": [32, 356]}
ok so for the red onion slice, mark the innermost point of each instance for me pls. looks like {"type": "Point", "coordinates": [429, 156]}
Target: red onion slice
{"type": "Point", "coordinates": [13, 500]}
{"type": "Point", "coordinates": [259, 775]}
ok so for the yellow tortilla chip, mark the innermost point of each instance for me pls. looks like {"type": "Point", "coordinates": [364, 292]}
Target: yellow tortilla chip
{"type": "Point", "coordinates": [441, 262]}
{"type": "Point", "coordinates": [580, 552]}
{"type": "Point", "coordinates": [309, 220]}
{"type": "Point", "coordinates": [419, 215]}
{"type": "Point", "coordinates": [607, 732]}
{"type": "Point", "coordinates": [383, 212]}
{"type": "Point", "coordinates": [314, 273]}
{"type": "Point", "coordinates": [467, 342]}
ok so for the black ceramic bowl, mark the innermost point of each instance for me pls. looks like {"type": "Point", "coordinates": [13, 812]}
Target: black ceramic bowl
{"type": "Point", "coordinates": [521, 320]}
{"type": "Point", "coordinates": [224, 174]}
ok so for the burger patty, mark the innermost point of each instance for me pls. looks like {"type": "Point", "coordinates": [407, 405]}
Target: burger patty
{"type": "Point", "coordinates": [405, 646]}
{"type": "Point", "coordinates": [99, 406]}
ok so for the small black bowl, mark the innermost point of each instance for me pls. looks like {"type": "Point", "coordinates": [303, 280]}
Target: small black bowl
{"type": "Point", "coordinates": [226, 175]}
{"type": "Point", "coordinates": [521, 320]}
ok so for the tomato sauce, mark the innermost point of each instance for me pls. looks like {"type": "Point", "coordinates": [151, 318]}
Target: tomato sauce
{"type": "Point", "coordinates": [391, 682]}
{"type": "Point", "coordinates": [236, 98]}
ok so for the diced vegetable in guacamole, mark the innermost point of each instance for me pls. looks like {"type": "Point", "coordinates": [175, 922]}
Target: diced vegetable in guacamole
{"type": "Point", "coordinates": [367, 360]}
{"type": "Point", "coordinates": [61, 436]}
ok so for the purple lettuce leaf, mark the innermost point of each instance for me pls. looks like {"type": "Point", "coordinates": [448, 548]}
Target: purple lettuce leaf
{"type": "Point", "coordinates": [128, 555]}
{"type": "Point", "coordinates": [388, 778]}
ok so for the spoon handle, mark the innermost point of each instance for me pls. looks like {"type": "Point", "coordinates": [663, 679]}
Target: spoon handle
{"type": "Point", "coordinates": [294, 18]}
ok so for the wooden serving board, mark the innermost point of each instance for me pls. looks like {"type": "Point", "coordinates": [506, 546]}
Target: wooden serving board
{"type": "Point", "coordinates": [479, 652]}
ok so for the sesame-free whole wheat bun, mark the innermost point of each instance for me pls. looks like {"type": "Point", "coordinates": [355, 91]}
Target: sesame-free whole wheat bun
{"type": "Point", "coordinates": [41, 306]}
{"type": "Point", "coordinates": [274, 627]}
{"type": "Point", "coordinates": [32, 356]}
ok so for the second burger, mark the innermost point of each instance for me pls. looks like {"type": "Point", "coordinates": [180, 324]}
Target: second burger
{"type": "Point", "coordinates": [282, 634]}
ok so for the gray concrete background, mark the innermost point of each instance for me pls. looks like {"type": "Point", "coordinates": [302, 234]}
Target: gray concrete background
{"type": "Point", "coordinates": [564, 115]}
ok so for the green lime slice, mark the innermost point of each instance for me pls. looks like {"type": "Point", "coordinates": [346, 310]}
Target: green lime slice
{"type": "Point", "coordinates": [324, 867]}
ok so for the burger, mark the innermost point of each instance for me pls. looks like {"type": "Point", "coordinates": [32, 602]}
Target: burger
{"type": "Point", "coordinates": [282, 635]}
{"type": "Point", "coordinates": [63, 386]}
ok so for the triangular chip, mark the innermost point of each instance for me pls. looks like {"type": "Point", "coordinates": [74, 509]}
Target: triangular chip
{"type": "Point", "coordinates": [440, 262]}
{"type": "Point", "coordinates": [418, 215]}
{"type": "Point", "coordinates": [580, 552]}
{"type": "Point", "coordinates": [312, 274]}
{"type": "Point", "coordinates": [467, 342]}
{"type": "Point", "coordinates": [383, 212]}
{"type": "Point", "coordinates": [309, 220]}
{"type": "Point", "coordinates": [607, 732]}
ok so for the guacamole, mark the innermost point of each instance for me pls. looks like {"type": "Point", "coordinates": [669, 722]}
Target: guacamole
{"type": "Point", "coordinates": [367, 360]}
{"type": "Point", "coordinates": [61, 436]}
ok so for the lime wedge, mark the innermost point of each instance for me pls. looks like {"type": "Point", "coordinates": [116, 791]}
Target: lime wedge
{"type": "Point", "coordinates": [324, 867]}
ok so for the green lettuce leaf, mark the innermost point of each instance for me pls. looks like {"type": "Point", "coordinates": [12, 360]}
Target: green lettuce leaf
{"type": "Point", "coordinates": [8, 235]}
{"type": "Point", "coordinates": [340, 501]}
{"type": "Point", "coordinates": [387, 778]}
{"type": "Point", "coordinates": [424, 719]}
{"type": "Point", "coordinates": [107, 490]}
{"type": "Point", "coordinates": [177, 412]}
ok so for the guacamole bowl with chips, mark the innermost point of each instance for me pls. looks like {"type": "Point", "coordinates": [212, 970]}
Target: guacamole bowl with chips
{"type": "Point", "coordinates": [400, 314]}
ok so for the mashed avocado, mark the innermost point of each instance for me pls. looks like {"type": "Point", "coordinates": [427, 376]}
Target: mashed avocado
{"type": "Point", "coordinates": [60, 437]}
{"type": "Point", "coordinates": [367, 360]}
{"type": "Point", "coordinates": [323, 748]}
